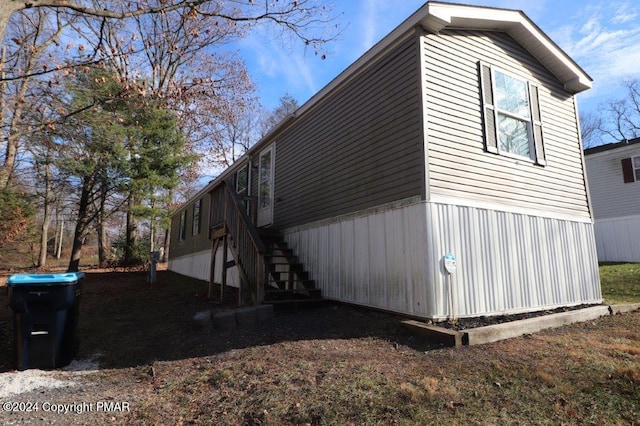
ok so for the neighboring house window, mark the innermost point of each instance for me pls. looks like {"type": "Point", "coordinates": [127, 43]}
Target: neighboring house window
{"type": "Point", "coordinates": [512, 121]}
{"type": "Point", "coordinates": [182, 230]}
{"type": "Point", "coordinates": [197, 216]}
{"type": "Point", "coordinates": [631, 169]}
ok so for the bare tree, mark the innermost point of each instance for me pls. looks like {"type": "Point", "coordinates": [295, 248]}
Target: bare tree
{"type": "Point", "coordinates": [621, 117]}
{"type": "Point", "coordinates": [186, 25]}
{"type": "Point", "coordinates": [288, 105]}
{"type": "Point", "coordinates": [590, 128]}
{"type": "Point", "coordinates": [23, 99]}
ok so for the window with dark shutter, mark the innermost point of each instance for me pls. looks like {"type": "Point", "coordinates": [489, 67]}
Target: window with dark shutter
{"type": "Point", "coordinates": [511, 115]}
{"type": "Point", "coordinates": [627, 170]}
{"type": "Point", "coordinates": [488, 110]}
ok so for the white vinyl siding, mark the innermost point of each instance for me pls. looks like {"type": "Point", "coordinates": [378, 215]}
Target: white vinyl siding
{"type": "Point", "coordinates": [459, 165]}
{"type": "Point", "coordinates": [611, 197]}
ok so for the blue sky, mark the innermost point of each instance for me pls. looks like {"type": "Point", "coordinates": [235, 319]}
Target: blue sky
{"type": "Point", "coordinates": [602, 36]}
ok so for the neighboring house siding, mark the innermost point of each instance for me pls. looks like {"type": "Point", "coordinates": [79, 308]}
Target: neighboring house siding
{"type": "Point", "coordinates": [191, 243]}
{"type": "Point", "coordinates": [359, 148]}
{"type": "Point", "coordinates": [610, 196]}
{"type": "Point", "coordinates": [459, 167]}
{"type": "Point", "coordinates": [617, 239]}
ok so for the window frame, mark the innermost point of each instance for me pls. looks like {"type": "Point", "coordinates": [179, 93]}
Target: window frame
{"type": "Point", "coordinates": [491, 113]}
{"type": "Point", "coordinates": [629, 169]}
{"type": "Point", "coordinates": [504, 112]}
{"type": "Point", "coordinates": [196, 216]}
{"type": "Point", "coordinates": [635, 169]}
{"type": "Point", "coordinates": [182, 228]}
{"type": "Point", "coordinates": [239, 190]}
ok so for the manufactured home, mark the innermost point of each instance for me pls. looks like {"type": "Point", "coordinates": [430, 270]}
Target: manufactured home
{"type": "Point", "coordinates": [440, 175]}
{"type": "Point", "coordinates": [614, 185]}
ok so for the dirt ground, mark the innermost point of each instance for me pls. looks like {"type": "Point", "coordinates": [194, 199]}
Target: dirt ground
{"type": "Point", "coordinates": [142, 361]}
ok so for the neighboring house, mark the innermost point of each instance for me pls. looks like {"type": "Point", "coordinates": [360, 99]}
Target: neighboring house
{"type": "Point", "coordinates": [614, 186]}
{"type": "Point", "coordinates": [456, 134]}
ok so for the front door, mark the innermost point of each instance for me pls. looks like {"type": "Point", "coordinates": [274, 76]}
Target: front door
{"type": "Point", "coordinates": [265, 187]}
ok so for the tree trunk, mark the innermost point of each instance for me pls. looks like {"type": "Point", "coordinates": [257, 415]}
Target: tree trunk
{"type": "Point", "coordinates": [82, 224]}
{"type": "Point", "coordinates": [102, 229]}
{"type": "Point", "coordinates": [130, 238]}
{"type": "Point", "coordinates": [165, 246]}
{"type": "Point", "coordinates": [44, 237]}
{"type": "Point", "coordinates": [59, 245]}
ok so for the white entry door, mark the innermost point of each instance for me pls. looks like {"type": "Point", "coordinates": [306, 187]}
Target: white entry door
{"type": "Point", "coordinates": [265, 186]}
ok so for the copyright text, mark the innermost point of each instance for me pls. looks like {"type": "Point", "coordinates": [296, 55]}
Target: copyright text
{"type": "Point", "coordinates": [67, 408]}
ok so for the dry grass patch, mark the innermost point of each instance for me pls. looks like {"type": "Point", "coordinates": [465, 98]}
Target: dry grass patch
{"type": "Point", "coordinates": [330, 365]}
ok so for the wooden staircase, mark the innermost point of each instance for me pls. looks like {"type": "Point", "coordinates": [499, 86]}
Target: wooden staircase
{"type": "Point", "coordinates": [269, 270]}
{"type": "Point", "coordinates": [286, 281]}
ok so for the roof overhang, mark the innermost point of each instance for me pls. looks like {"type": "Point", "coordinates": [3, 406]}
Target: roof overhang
{"type": "Point", "coordinates": [437, 16]}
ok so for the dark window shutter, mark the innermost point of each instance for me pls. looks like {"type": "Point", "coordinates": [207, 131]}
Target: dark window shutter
{"type": "Point", "coordinates": [488, 109]}
{"type": "Point", "coordinates": [536, 118]}
{"type": "Point", "coordinates": [627, 170]}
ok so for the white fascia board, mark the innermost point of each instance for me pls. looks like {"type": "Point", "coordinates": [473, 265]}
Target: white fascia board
{"type": "Point", "coordinates": [514, 22]}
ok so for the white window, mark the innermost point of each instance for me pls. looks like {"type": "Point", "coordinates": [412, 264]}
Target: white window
{"type": "Point", "coordinates": [242, 187]}
{"type": "Point", "coordinates": [242, 181]}
{"type": "Point", "coordinates": [182, 230]}
{"type": "Point", "coordinates": [512, 122]}
{"type": "Point", "coordinates": [636, 167]}
{"type": "Point", "coordinates": [514, 115]}
{"type": "Point", "coordinates": [197, 216]}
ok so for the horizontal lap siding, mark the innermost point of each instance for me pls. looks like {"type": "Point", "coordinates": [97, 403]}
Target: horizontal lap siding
{"type": "Point", "coordinates": [458, 164]}
{"type": "Point", "coordinates": [610, 196]}
{"type": "Point", "coordinates": [192, 243]}
{"type": "Point", "coordinates": [359, 148]}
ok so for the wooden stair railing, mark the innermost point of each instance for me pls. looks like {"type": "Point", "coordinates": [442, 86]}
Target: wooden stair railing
{"type": "Point", "coordinates": [229, 220]}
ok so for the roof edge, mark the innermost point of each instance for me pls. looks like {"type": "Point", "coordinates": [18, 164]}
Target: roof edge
{"type": "Point", "coordinates": [517, 24]}
{"type": "Point", "coordinates": [611, 146]}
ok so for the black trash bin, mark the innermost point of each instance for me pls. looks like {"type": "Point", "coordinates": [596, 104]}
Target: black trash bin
{"type": "Point", "coordinates": [45, 318]}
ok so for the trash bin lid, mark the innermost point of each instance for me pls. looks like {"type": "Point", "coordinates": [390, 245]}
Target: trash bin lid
{"type": "Point", "coordinates": [45, 279]}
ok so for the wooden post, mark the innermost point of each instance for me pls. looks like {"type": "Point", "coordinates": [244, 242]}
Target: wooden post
{"type": "Point", "coordinates": [212, 278]}
{"type": "Point", "coordinates": [225, 247]}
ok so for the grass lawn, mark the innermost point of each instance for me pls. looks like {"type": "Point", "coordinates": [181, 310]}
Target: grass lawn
{"type": "Point", "coordinates": [620, 282]}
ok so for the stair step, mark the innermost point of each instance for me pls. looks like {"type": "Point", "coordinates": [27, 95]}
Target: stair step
{"type": "Point", "coordinates": [294, 302]}
{"type": "Point", "coordinates": [288, 254]}
{"type": "Point", "coordinates": [315, 293]}
{"type": "Point", "coordinates": [305, 284]}
{"type": "Point", "coordinates": [293, 271]}
{"type": "Point", "coordinates": [287, 281]}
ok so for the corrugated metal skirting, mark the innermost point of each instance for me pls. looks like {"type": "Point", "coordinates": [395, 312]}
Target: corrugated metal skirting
{"type": "Point", "coordinates": [509, 262]}
{"type": "Point", "coordinates": [618, 239]}
{"type": "Point", "coordinates": [506, 262]}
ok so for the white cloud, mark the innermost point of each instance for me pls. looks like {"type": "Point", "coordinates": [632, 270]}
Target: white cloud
{"type": "Point", "coordinates": [273, 62]}
{"type": "Point", "coordinates": [624, 13]}
{"type": "Point", "coordinates": [368, 23]}
{"type": "Point", "coordinates": [605, 41]}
